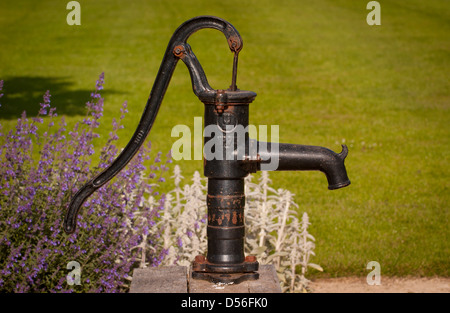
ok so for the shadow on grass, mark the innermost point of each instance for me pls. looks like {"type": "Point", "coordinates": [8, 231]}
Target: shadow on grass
{"type": "Point", "coordinates": [24, 93]}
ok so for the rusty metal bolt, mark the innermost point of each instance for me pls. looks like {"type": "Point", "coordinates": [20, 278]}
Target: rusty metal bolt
{"type": "Point", "coordinates": [179, 51]}
{"type": "Point", "coordinates": [221, 100]}
{"type": "Point", "coordinates": [250, 258]}
{"type": "Point", "coordinates": [235, 44]}
{"type": "Point", "coordinates": [200, 259]}
{"type": "Point", "coordinates": [219, 109]}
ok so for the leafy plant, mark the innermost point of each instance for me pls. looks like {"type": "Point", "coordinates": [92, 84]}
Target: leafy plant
{"type": "Point", "coordinates": [34, 192]}
{"type": "Point", "coordinates": [274, 232]}
{"type": "Point", "coordinates": [276, 235]}
{"type": "Point", "coordinates": [127, 223]}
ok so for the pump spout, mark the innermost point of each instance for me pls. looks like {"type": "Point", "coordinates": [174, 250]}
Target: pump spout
{"type": "Point", "coordinates": [291, 157]}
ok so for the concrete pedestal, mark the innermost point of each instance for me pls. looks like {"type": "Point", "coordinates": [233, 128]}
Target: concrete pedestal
{"type": "Point", "coordinates": [177, 279]}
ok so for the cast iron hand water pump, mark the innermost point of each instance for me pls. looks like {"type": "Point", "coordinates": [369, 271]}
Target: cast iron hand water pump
{"type": "Point", "coordinates": [224, 110]}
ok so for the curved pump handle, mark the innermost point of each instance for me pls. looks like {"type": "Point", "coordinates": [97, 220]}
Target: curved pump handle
{"type": "Point", "coordinates": [159, 88]}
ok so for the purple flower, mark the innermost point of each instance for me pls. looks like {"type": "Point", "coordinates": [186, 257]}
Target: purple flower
{"type": "Point", "coordinates": [46, 104]}
{"type": "Point", "coordinates": [35, 194]}
{"type": "Point", "coordinates": [1, 87]}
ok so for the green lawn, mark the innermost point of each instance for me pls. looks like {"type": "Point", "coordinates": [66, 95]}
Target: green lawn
{"type": "Point", "coordinates": [320, 72]}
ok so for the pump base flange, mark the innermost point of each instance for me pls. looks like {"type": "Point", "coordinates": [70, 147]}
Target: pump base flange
{"type": "Point", "coordinates": [225, 278]}
{"type": "Point", "coordinates": [225, 273]}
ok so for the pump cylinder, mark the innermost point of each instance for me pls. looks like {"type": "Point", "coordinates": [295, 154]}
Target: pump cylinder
{"type": "Point", "coordinates": [225, 146]}
{"type": "Point", "coordinates": [226, 229]}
